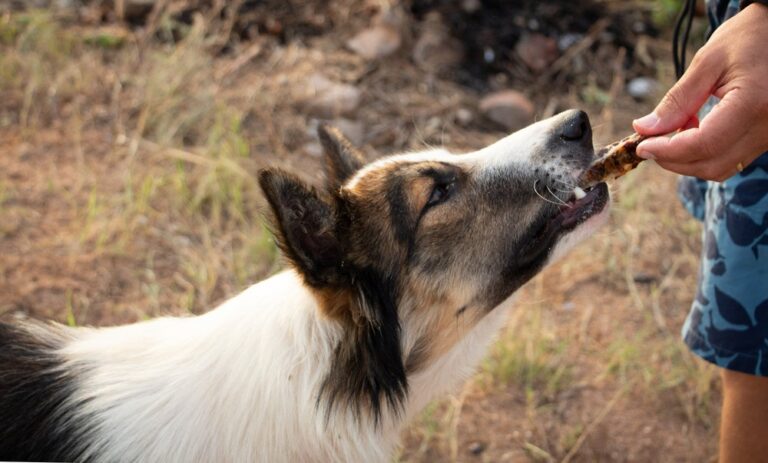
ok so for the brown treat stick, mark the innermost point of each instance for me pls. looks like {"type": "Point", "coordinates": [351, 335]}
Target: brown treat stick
{"type": "Point", "coordinates": [613, 161]}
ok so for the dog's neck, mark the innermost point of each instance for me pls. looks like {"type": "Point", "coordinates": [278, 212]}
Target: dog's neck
{"type": "Point", "coordinates": [257, 362]}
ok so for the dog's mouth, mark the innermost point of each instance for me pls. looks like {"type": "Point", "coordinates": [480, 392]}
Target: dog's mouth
{"type": "Point", "coordinates": [580, 207]}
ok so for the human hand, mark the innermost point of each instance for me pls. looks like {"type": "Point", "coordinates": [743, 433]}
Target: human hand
{"type": "Point", "coordinates": [733, 66]}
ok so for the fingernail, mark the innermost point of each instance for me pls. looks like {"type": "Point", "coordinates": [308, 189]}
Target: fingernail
{"type": "Point", "coordinates": [646, 155]}
{"type": "Point", "coordinates": [643, 151]}
{"type": "Point", "coordinates": [647, 122]}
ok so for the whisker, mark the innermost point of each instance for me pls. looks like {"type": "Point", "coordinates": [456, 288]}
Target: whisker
{"type": "Point", "coordinates": [570, 186]}
{"type": "Point", "coordinates": [556, 197]}
{"type": "Point", "coordinates": [542, 197]}
{"type": "Point", "coordinates": [570, 190]}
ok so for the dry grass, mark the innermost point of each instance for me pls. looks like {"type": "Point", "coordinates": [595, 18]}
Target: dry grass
{"type": "Point", "coordinates": [127, 190]}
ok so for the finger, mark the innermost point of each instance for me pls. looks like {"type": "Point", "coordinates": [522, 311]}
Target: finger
{"type": "Point", "coordinates": [685, 98]}
{"type": "Point", "coordinates": [720, 135]}
{"type": "Point", "coordinates": [705, 170]}
{"type": "Point", "coordinates": [682, 168]}
{"type": "Point", "coordinates": [692, 123]}
{"type": "Point", "coordinates": [676, 148]}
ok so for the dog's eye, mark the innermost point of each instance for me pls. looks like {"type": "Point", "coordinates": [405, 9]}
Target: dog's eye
{"type": "Point", "coordinates": [440, 193]}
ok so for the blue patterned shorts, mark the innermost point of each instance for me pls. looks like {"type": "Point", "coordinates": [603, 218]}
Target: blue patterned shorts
{"type": "Point", "coordinates": [728, 322]}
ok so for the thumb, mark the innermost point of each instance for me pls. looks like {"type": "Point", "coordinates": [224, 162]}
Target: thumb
{"type": "Point", "coordinates": [683, 100]}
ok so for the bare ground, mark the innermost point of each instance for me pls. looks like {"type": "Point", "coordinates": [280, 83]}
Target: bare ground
{"type": "Point", "coordinates": [127, 191]}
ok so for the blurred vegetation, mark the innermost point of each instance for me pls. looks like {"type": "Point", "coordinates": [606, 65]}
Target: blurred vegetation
{"type": "Point", "coordinates": [127, 191]}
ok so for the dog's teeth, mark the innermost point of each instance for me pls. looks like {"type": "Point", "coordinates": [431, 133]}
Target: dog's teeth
{"type": "Point", "coordinates": [579, 193]}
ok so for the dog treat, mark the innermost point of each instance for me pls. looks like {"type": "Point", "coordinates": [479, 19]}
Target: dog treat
{"type": "Point", "coordinates": [613, 161]}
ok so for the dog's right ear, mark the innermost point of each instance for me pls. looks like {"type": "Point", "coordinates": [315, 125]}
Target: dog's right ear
{"type": "Point", "coordinates": [305, 227]}
{"type": "Point", "coordinates": [342, 159]}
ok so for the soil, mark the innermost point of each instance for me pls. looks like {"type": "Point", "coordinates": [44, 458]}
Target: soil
{"type": "Point", "coordinates": [72, 251]}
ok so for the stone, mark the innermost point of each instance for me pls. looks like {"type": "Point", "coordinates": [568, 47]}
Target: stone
{"type": "Point", "coordinates": [375, 42]}
{"type": "Point", "coordinates": [476, 448]}
{"type": "Point", "coordinates": [642, 88]}
{"type": "Point", "coordinates": [313, 149]}
{"type": "Point", "coordinates": [537, 51]}
{"type": "Point", "coordinates": [471, 6]}
{"type": "Point", "coordinates": [464, 116]}
{"type": "Point", "coordinates": [508, 108]}
{"type": "Point", "coordinates": [566, 41]}
{"type": "Point", "coordinates": [137, 9]}
{"type": "Point", "coordinates": [435, 50]}
{"type": "Point", "coordinates": [329, 99]}
{"type": "Point", "coordinates": [644, 278]}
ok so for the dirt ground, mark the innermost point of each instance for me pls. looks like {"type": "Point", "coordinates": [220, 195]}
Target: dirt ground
{"type": "Point", "coordinates": [127, 190]}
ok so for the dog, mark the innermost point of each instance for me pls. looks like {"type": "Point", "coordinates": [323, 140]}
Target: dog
{"type": "Point", "coordinates": [401, 272]}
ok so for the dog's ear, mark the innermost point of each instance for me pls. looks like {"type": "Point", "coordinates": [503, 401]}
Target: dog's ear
{"type": "Point", "coordinates": [304, 224]}
{"type": "Point", "coordinates": [342, 159]}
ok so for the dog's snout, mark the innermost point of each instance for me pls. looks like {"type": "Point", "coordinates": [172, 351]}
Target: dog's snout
{"type": "Point", "coordinates": [575, 127]}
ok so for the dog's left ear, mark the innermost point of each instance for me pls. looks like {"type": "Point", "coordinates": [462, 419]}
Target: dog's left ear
{"type": "Point", "coordinates": [342, 159]}
{"type": "Point", "coordinates": [305, 227]}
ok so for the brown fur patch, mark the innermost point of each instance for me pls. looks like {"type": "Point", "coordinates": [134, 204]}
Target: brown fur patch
{"type": "Point", "coordinates": [336, 304]}
{"type": "Point", "coordinates": [441, 320]}
{"type": "Point", "coordinates": [446, 327]}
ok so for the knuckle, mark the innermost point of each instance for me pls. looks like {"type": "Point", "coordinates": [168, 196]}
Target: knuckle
{"type": "Point", "coordinates": [707, 150]}
{"type": "Point", "coordinates": [761, 105]}
{"type": "Point", "coordinates": [709, 172]}
{"type": "Point", "coordinates": [673, 100]}
{"type": "Point", "coordinates": [701, 57]}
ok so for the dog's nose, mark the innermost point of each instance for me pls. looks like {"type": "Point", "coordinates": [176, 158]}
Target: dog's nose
{"type": "Point", "coordinates": [575, 127]}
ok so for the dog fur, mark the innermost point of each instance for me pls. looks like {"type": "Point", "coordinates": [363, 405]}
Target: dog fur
{"type": "Point", "coordinates": [402, 271]}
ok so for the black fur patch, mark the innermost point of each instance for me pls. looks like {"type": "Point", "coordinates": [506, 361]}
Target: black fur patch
{"type": "Point", "coordinates": [399, 215]}
{"type": "Point", "coordinates": [305, 227]}
{"type": "Point", "coordinates": [368, 366]}
{"type": "Point", "coordinates": [525, 258]}
{"type": "Point", "coordinates": [342, 160]}
{"type": "Point", "coordinates": [34, 426]}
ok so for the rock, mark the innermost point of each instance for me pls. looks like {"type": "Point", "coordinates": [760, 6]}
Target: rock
{"type": "Point", "coordinates": [471, 6]}
{"type": "Point", "coordinates": [476, 448]}
{"type": "Point", "coordinates": [313, 149]}
{"type": "Point", "coordinates": [435, 50]}
{"type": "Point", "coordinates": [137, 9]}
{"type": "Point", "coordinates": [489, 56]}
{"type": "Point", "coordinates": [464, 116]}
{"type": "Point", "coordinates": [329, 99]}
{"type": "Point", "coordinates": [642, 87]}
{"type": "Point", "coordinates": [508, 108]}
{"type": "Point", "coordinates": [644, 278]}
{"type": "Point", "coordinates": [375, 42]}
{"type": "Point", "coordinates": [537, 51]}
{"type": "Point", "coordinates": [352, 129]}
{"type": "Point", "coordinates": [566, 41]}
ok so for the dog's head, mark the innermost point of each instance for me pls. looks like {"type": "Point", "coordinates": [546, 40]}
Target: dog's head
{"type": "Point", "coordinates": [409, 252]}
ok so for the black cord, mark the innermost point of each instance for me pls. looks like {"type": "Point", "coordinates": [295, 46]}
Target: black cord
{"type": "Point", "coordinates": [676, 38]}
{"type": "Point", "coordinates": [679, 44]}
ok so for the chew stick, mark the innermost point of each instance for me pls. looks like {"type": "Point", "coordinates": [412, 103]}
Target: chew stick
{"type": "Point", "coordinates": [613, 161]}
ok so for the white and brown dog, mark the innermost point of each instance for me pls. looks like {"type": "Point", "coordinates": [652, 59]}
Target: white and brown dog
{"type": "Point", "coordinates": [402, 273]}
